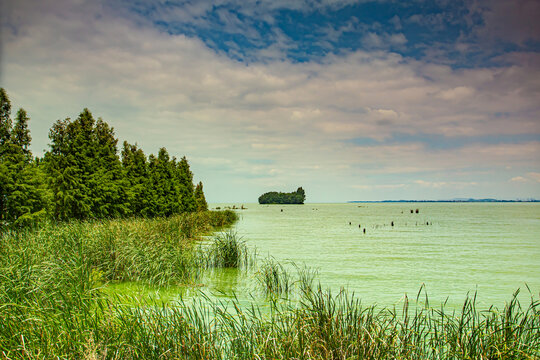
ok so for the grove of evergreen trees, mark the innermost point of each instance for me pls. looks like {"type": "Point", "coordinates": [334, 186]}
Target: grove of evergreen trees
{"type": "Point", "coordinates": [82, 176]}
{"type": "Point", "coordinates": [273, 197]}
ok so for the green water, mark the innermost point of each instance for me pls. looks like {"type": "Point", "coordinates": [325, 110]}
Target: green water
{"type": "Point", "coordinates": [492, 249]}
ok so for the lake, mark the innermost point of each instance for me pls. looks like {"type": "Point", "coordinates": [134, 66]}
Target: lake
{"type": "Point", "coordinates": [452, 248]}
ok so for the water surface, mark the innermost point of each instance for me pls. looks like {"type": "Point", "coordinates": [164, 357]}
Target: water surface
{"type": "Point", "coordinates": [452, 248]}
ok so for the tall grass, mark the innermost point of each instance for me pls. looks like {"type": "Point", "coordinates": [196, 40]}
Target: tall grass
{"type": "Point", "coordinates": [323, 326]}
{"type": "Point", "coordinates": [227, 250]}
{"type": "Point", "coordinates": [274, 279]}
{"type": "Point", "coordinates": [154, 251]}
{"type": "Point", "coordinates": [51, 306]}
{"type": "Point", "coordinates": [286, 282]}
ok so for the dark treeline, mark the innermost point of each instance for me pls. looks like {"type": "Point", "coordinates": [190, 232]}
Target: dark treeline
{"type": "Point", "coordinates": [297, 197]}
{"type": "Point", "coordinates": [82, 176]}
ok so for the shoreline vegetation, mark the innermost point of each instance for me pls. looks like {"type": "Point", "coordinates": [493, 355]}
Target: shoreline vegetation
{"type": "Point", "coordinates": [53, 303]}
{"type": "Point", "coordinates": [273, 197]}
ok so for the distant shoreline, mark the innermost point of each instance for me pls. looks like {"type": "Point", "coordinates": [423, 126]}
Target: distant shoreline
{"type": "Point", "coordinates": [446, 201]}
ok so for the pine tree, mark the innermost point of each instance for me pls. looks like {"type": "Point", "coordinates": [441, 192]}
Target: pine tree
{"type": "Point", "coordinates": [200, 200]}
{"type": "Point", "coordinates": [151, 200]}
{"type": "Point", "coordinates": [135, 172]}
{"type": "Point", "coordinates": [20, 136]}
{"type": "Point", "coordinates": [5, 119]}
{"type": "Point", "coordinates": [66, 173]}
{"type": "Point", "coordinates": [108, 188]}
{"type": "Point", "coordinates": [85, 170]}
{"type": "Point", "coordinates": [23, 194]}
{"type": "Point", "coordinates": [5, 134]}
{"type": "Point", "coordinates": [184, 178]}
{"type": "Point", "coordinates": [166, 190]}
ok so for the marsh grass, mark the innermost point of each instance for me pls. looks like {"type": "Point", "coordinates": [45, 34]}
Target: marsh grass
{"type": "Point", "coordinates": [52, 306]}
{"type": "Point", "coordinates": [227, 250]}
{"type": "Point", "coordinates": [279, 281]}
{"type": "Point", "coordinates": [274, 279]}
{"type": "Point", "coordinates": [153, 251]}
{"type": "Point", "coordinates": [321, 326]}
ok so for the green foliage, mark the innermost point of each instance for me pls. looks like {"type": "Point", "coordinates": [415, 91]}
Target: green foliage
{"type": "Point", "coordinates": [50, 300]}
{"type": "Point", "coordinates": [85, 170]}
{"type": "Point", "coordinates": [184, 179]}
{"type": "Point", "coordinates": [82, 176]}
{"type": "Point", "coordinates": [135, 172]}
{"type": "Point", "coordinates": [24, 196]}
{"type": "Point", "coordinates": [200, 200]}
{"type": "Point", "coordinates": [274, 279]}
{"type": "Point", "coordinates": [20, 136]}
{"type": "Point", "coordinates": [167, 187]}
{"type": "Point", "coordinates": [227, 250]}
{"type": "Point", "coordinates": [5, 119]}
{"type": "Point", "coordinates": [297, 197]}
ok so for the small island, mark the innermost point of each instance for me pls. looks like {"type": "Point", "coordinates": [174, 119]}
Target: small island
{"type": "Point", "coordinates": [274, 197]}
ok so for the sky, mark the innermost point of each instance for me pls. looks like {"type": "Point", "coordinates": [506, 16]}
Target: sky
{"type": "Point", "coordinates": [352, 100]}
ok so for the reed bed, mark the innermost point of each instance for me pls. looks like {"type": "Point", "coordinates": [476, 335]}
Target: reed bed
{"type": "Point", "coordinates": [154, 251]}
{"type": "Point", "coordinates": [321, 326]}
{"type": "Point", "coordinates": [52, 306]}
{"type": "Point", "coordinates": [274, 279]}
{"type": "Point", "coordinates": [284, 282]}
{"type": "Point", "coordinates": [226, 250]}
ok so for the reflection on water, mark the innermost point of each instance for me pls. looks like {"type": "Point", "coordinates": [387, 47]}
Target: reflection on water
{"type": "Point", "coordinates": [224, 282]}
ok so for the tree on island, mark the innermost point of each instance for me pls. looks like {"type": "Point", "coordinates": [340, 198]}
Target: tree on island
{"type": "Point", "coordinates": [273, 197]}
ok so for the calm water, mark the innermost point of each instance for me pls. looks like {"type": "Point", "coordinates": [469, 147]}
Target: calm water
{"type": "Point", "coordinates": [489, 248]}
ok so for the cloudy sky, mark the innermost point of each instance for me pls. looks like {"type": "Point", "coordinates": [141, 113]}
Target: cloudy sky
{"type": "Point", "coordinates": [353, 100]}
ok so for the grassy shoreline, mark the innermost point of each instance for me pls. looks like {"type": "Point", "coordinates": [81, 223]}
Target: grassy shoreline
{"type": "Point", "coordinates": [52, 304]}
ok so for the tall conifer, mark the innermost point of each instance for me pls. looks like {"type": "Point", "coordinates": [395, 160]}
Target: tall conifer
{"type": "Point", "coordinates": [20, 136]}
{"type": "Point", "coordinates": [23, 195]}
{"type": "Point", "coordinates": [5, 119]}
{"type": "Point", "coordinates": [108, 188]}
{"type": "Point", "coordinates": [135, 174]}
{"type": "Point", "coordinates": [5, 134]}
{"type": "Point", "coordinates": [184, 177]}
{"type": "Point", "coordinates": [66, 172]}
{"type": "Point", "coordinates": [85, 170]}
{"type": "Point", "coordinates": [200, 199]}
{"type": "Point", "coordinates": [151, 201]}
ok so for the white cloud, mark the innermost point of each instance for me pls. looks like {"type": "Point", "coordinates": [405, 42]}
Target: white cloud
{"type": "Point", "coordinates": [445, 184]}
{"type": "Point", "coordinates": [519, 179]}
{"type": "Point", "coordinates": [373, 40]}
{"type": "Point", "coordinates": [535, 176]}
{"type": "Point", "coordinates": [379, 186]}
{"type": "Point", "coordinates": [457, 93]}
